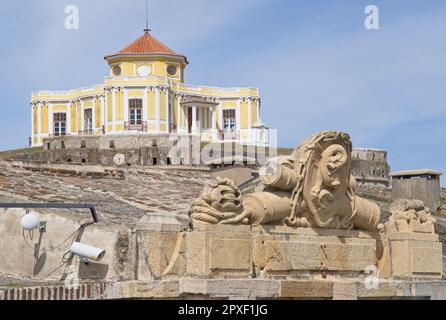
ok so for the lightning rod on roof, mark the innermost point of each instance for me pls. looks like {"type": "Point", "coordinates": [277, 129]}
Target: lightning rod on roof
{"type": "Point", "coordinates": [147, 17]}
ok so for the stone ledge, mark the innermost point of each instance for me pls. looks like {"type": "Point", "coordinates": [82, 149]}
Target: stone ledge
{"type": "Point", "coordinates": [306, 289]}
{"type": "Point", "coordinates": [230, 288]}
{"type": "Point", "coordinates": [316, 232]}
{"type": "Point", "coordinates": [402, 236]}
{"type": "Point", "coordinates": [346, 289]}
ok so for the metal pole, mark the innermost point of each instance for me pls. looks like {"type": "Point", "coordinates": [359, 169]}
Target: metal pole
{"type": "Point", "coordinates": [53, 206]}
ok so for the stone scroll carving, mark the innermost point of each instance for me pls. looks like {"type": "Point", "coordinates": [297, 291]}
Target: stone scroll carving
{"type": "Point", "coordinates": [311, 188]}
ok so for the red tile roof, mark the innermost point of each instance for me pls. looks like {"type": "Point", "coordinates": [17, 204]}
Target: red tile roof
{"type": "Point", "coordinates": [146, 44]}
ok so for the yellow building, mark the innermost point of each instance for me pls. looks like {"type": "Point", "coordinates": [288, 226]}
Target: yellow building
{"type": "Point", "coordinates": [145, 93]}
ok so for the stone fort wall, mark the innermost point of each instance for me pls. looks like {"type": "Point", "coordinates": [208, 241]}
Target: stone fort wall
{"type": "Point", "coordinates": [117, 150]}
{"type": "Point", "coordinates": [141, 150]}
{"type": "Point", "coordinates": [370, 166]}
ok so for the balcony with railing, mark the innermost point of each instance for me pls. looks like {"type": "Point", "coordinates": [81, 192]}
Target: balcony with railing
{"type": "Point", "coordinates": [56, 134]}
{"type": "Point", "coordinates": [182, 87]}
{"type": "Point", "coordinates": [67, 94]}
{"type": "Point", "coordinates": [229, 135]}
{"type": "Point", "coordinates": [140, 126]}
{"type": "Point", "coordinates": [86, 132]}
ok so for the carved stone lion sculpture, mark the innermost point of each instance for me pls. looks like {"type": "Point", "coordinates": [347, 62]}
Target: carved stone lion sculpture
{"type": "Point", "coordinates": [311, 188]}
{"type": "Point", "coordinates": [221, 202]}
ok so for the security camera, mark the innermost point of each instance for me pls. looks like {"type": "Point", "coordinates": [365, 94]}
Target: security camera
{"type": "Point", "coordinates": [87, 252]}
{"type": "Point", "coordinates": [31, 221]}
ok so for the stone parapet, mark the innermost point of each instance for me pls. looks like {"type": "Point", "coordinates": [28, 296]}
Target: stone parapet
{"type": "Point", "coordinates": [216, 251]}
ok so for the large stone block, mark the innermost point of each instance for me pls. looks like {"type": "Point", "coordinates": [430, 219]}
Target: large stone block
{"type": "Point", "coordinates": [294, 250]}
{"type": "Point", "coordinates": [237, 249]}
{"type": "Point", "coordinates": [161, 247]}
{"type": "Point", "coordinates": [343, 290]}
{"type": "Point", "coordinates": [413, 258]}
{"type": "Point", "coordinates": [230, 288]}
{"type": "Point", "coordinates": [306, 289]}
{"type": "Point", "coordinates": [219, 251]}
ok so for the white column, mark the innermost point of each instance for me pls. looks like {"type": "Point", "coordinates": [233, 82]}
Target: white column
{"type": "Point", "coordinates": [50, 118]}
{"type": "Point", "coordinates": [214, 118]}
{"type": "Point", "coordinates": [214, 123]}
{"type": "Point", "coordinates": [93, 115]}
{"type": "Point", "coordinates": [106, 110]}
{"type": "Point", "coordinates": [32, 124]}
{"type": "Point", "coordinates": [68, 118]}
{"type": "Point", "coordinates": [237, 115]}
{"type": "Point", "coordinates": [113, 110]}
{"type": "Point", "coordinates": [145, 107]}
{"type": "Point", "coordinates": [78, 105]}
{"type": "Point", "coordinates": [171, 110]}
{"type": "Point", "coordinates": [258, 108]}
{"type": "Point", "coordinates": [101, 99]}
{"type": "Point", "coordinates": [194, 118]}
{"type": "Point", "coordinates": [220, 115]}
{"type": "Point", "coordinates": [203, 119]}
{"type": "Point", "coordinates": [237, 120]}
{"type": "Point", "coordinates": [126, 105]}
{"type": "Point", "coordinates": [39, 122]}
{"type": "Point", "coordinates": [249, 113]}
{"type": "Point", "coordinates": [179, 123]}
{"type": "Point", "coordinates": [249, 119]}
{"type": "Point", "coordinates": [167, 111]}
{"type": "Point", "coordinates": [157, 109]}
{"type": "Point", "coordinates": [82, 116]}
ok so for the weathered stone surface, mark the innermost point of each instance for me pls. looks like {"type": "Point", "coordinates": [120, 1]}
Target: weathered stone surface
{"type": "Point", "coordinates": [306, 289]}
{"type": "Point", "coordinates": [316, 232]}
{"type": "Point", "coordinates": [39, 255]}
{"type": "Point", "coordinates": [231, 250]}
{"type": "Point", "coordinates": [400, 236]}
{"type": "Point", "coordinates": [384, 290]}
{"type": "Point", "coordinates": [345, 290]}
{"type": "Point", "coordinates": [430, 290]}
{"type": "Point", "coordinates": [160, 255]}
{"type": "Point", "coordinates": [413, 248]}
{"type": "Point", "coordinates": [370, 167]}
{"type": "Point", "coordinates": [213, 252]}
{"type": "Point", "coordinates": [162, 221]}
{"type": "Point", "coordinates": [230, 254]}
{"type": "Point", "coordinates": [161, 247]}
{"type": "Point", "coordinates": [157, 289]}
{"type": "Point", "coordinates": [284, 253]}
{"type": "Point", "coordinates": [416, 259]}
{"type": "Point", "coordinates": [240, 288]}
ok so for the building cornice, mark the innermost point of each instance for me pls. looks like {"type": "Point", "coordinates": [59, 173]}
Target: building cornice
{"type": "Point", "coordinates": [114, 57]}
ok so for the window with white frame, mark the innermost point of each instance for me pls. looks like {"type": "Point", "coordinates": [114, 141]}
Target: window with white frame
{"type": "Point", "coordinates": [88, 120]}
{"type": "Point", "coordinates": [135, 111]}
{"type": "Point", "coordinates": [229, 120]}
{"type": "Point", "coordinates": [60, 123]}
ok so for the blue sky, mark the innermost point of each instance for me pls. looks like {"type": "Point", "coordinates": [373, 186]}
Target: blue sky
{"type": "Point", "coordinates": [316, 65]}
